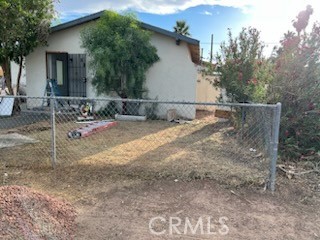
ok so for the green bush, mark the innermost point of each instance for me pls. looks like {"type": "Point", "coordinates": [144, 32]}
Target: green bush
{"type": "Point", "coordinates": [300, 137]}
{"type": "Point", "coordinates": [244, 71]}
{"type": "Point", "coordinates": [297, 86]}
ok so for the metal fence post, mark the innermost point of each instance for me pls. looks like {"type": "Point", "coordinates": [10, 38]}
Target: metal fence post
{"type": "Point", "coordinates": [243, 119]}
{"type": "Point", "coordinates": [274, 146]}
{"type": "Point", "coordinates": [53, 131]}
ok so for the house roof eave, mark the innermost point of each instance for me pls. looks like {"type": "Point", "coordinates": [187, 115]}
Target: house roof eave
{"type": "Point", "coordinates": [193, 44]}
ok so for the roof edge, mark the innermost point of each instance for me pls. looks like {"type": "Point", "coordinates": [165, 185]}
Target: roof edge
{"type": "Point", "coordinates": [76, 22]}
{"type": "Point", "coordinates": [146, 26]}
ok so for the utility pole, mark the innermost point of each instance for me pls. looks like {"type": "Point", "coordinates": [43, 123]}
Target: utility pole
{"type": "Point", "coordinates": [211, 48]}
{"type": "Point", "coordinates": [201, 56]}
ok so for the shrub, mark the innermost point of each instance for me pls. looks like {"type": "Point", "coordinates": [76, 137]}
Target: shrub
{"type": "Point", "coordinates": [297, 87]}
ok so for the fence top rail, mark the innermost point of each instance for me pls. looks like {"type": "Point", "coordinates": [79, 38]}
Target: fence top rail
{"type": "Point", "coordinates": [148, 101]}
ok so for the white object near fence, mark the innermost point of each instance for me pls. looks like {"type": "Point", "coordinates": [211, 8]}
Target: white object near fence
{"type": "Point", "coordinates": [171, 115]}
{"type": "Point", "coordinates": [6, 106]}
{"type": "Point", "coordinates": [130, 117]}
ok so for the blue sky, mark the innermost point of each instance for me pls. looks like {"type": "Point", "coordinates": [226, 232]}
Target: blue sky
{"type": "Point", "coordinates": [203, 20]}
{"type": "Point", "coordinates": [205, 17]}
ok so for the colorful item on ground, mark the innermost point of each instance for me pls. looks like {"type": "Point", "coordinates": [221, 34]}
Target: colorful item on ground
{"type": "Point", "coordinates": [90, 129]}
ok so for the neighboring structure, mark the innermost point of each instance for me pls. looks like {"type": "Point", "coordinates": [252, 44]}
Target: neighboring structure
{"type": "Point", "coordinates": [14, 76]}
{"type": "Point", "coordinates": [206, 91]}
{"type": "Point", "coordinates": [173, 78]}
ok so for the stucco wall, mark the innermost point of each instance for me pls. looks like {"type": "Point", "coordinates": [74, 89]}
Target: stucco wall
{"type": "Point", "coordinates": [206, 92]}
{"type": "Point", "coordinates": [172, 78]}
{"type": "Point", "coordinates": [14, 74]}
{"type": "Point", "coordinates": [63, 41]}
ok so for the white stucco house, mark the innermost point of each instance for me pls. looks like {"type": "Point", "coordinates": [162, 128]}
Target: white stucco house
{"type": "Point", "coordinates": [172, 78]}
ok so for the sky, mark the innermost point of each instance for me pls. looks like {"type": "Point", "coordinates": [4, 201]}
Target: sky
{"type": "Point", "coordinates": [205, 17]}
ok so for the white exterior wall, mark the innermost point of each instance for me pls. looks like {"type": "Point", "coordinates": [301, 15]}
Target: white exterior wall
{"type": "Point", "coordinates": [14, 74]}
{"type": "Point", "coordinates": [63, 41]}
{"type": "Point", "coordinates": [173, 78]}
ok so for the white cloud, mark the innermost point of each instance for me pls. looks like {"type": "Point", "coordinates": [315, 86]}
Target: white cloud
{"type": "Point", "coordinates": [266, 8]}
{"type": "Point", "coordinates": [271, 17]}
{"type": "Point", "coordinates": [207, 13]}
{"type": "Point", "coordinates": [155, 6]}
{"type": "Point", "coordinates": [274, 17]}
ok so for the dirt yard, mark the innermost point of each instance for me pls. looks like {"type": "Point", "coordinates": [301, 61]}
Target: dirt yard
{"type": "Point", "coordinates": [124, 211]}
{"type": "Point", "coordinates": [27, 214]}
{"type": "Point", "coordinates": [121, 178]}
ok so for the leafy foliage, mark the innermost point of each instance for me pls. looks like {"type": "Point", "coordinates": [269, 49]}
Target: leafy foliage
{"type": "Point", "coordinates": [291, 76]}
{"type": "Point", "coordinates": [182, 28]}
{"type": "Point", "coordinates": [120, 53]}
{"type": "Point", "coordinates": [297, 86]}
{"type": "Point", "coordinates": [24, 24]}
{"type": "Point", "coordinates": [244, 72]}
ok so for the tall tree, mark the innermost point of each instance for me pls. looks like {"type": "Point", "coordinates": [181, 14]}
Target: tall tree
{"type": "Point", "coordinates": [182, 28]}
{"type": "Point", "coordinates": [24, 24]}
{"type": "Point", "coordinates": [120, 53]}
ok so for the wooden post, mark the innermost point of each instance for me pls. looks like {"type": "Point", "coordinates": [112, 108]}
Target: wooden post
{"type": "Point", "coordinates": [211, 48]}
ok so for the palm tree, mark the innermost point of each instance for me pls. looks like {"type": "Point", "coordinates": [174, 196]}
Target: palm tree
{"type": "Point", "coordinates": [303, 19]}
{"type": "Point", "coordinates": [182, 28]}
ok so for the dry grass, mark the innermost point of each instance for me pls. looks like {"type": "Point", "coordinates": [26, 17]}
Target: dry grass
{"type": "Point", "coordinates": [131, 150]}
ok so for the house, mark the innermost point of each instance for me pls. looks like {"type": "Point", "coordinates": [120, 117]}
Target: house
{"type": "Point", "coordinates": [173, 78]}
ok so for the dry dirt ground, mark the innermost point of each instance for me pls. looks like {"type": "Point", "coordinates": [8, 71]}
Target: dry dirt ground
{"type": "Point", "coordinates": [121, 178]}
{"type": "Point", "coordinates": [124, 211]}
{"type": "Point", "coordinates": [28, 214]}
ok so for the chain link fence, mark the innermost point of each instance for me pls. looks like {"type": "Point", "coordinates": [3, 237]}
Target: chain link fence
{"type": "Point", "coordinates": [233, 143]}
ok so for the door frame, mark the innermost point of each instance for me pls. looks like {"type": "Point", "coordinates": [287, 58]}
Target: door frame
{"type": "Point", "coordinates": [68, 68]}
{"type": "Point", "coordinates": [47, 70]}
{"type": "Point", "coordinates": [51, 52]}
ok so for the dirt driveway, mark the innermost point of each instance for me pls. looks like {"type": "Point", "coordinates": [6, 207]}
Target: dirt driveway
{"type": "Point", "coordinates": [124, 211]}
